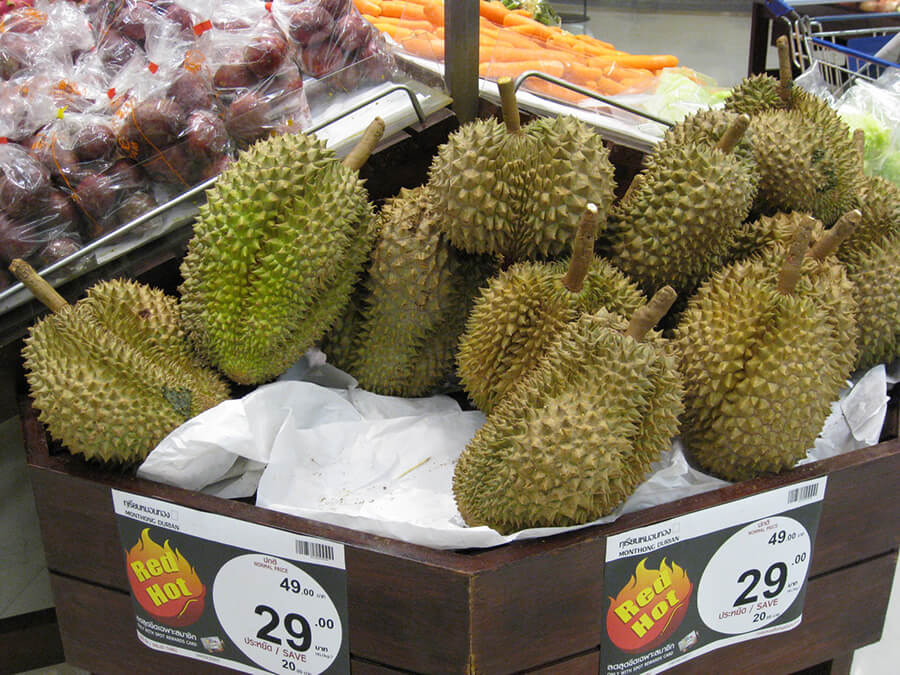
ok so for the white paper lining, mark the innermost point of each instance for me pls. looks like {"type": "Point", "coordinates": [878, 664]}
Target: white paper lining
{"type": "Point", "coordinates": [315, 445]}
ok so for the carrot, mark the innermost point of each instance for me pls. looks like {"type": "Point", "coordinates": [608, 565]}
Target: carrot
{"type": "Point", "coordinates": [401, 9]}
{"type": "Point", "coordinates": [581, 37]}
{"type": "Point", "coordinates": [577, 73]}
{"type": "Point", "coordinates": [411, 24]}
{"type": "Point", "coordinates": [647, 61]}
{"type": "Point", "coordinates": [527, 26]}
{"type": "Point", "coordinates": [554, 90]}
{"type": "Point", "coordinates": [504, 53]}
{"type": "Point", "coordinates": [515, 68]}
{"type": "Point", "coordinates": [368, 7]}
{"type": "Point", "coordinates": [493, 11]}
{"type": "Point", "coordinates": [517, 39]}
{"type": "Point", "coordinates": [429, 48]}
{"type": "Point", "coordinates": [434, 12]}
{"type": "Point", "coordinates": [397, 32]}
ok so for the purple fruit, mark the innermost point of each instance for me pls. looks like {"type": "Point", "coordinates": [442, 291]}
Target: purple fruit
{"type": "Point", "coordinates": [321, 59]}
{"type": "Point", "coordinates": [55, 250]}
{"type": "Point", "coordinates": [191, 91]}
{"type": "Point", "coordinates": [61, 215]}
{"type": "Point", "coordinates": [247, 119]}
{"type": "Point", "coordinates": [24, 187]}
{"type": "Point", "coordinates": [135, 205]}
{"type": "Point", "coordinates": [205, 133]}
{"type": "Point", "coordinates": [94, 141]}
{"type": "Point", "coordinates": [96, 197]}
{"type": "Point", "coordinates": [124, 175]}
{"type": "Point", "coordinates": [265, 53]}
{"type": "Point", "coordinates": [233, 76]}
{"type": "Point", "coordinates": [16, 239]}
{"type": "Point", "coordinates": [351, 31]}
{"type": "Point", "coordinates": [115, 50]}
{"type": "Point", "coordinates": [153, 124]}
{"type": "Point", "coordinates": [310, 24]}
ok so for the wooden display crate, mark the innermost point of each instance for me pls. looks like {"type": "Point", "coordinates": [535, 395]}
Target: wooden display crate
{"type": "Point", "coordinates": [534, 606]}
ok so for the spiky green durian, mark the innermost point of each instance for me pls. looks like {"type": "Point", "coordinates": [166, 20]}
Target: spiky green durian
{"type": "Point", "coordinates": [753, 236]}
{"type": "Point", "coordinates": [276, 250]}
{"type": "Point", "coordinates": [755, 94]}
{"type": "Point", "coordinates": [418, 291]}
{"type": "Point", "coordinates": [519, 192]}
{"type": "Point", "coordinates": [675, 224]}
{"type": "Point", "coordinates": [114, 374]}
{"type": "Point", "coordinates": [804, 165]}
{"type": "Point", "coordinates": [762, 359]}
{"type": "Point", "coordinates": [576, 436]}
{"type": "Point", "coordinates": [707, 126]}
{"type": "Point", "coordinates": [871, 256]}
{"type": "Point", "coordinates": [518, 314]}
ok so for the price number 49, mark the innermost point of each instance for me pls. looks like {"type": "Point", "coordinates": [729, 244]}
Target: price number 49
{"type": "Point", "coordinates": [296, 626]}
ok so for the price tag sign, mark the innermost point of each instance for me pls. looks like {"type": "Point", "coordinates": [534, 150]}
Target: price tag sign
{"type": "Point", "coordinates": [705, 580]}
{"type": "Point", "coordinates": [249, 597]}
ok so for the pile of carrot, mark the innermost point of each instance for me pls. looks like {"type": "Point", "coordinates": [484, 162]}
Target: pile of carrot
{"type": "Point", "coordinates": [511, 42]}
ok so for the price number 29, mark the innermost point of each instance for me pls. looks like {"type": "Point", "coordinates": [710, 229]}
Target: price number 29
{"type": "Point", "coordinates": [296, 626]}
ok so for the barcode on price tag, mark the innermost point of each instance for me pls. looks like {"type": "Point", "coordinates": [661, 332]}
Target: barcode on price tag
{"type": "Point", "coordinates": [312, 549]}
{"type": "Point", "coordinates": [803, 493]}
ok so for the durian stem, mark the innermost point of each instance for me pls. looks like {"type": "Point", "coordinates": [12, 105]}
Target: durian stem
{"type": "Point", "coordinates": [644, 318]}
{"type": "Point", "coordinates": [793, 262]}
{"type": "Point", "coordinates": [785, 70]}
{"type": "Point", "coordinates": [360, 153]}
{"type": "Point", "coordinates": [835, 236]}
{"type": "Point", "coordinates": [734, 133]}
{"type": "Point", "coordinates": [37, 285]}
{"type": "Point", "coordinates": [582, 250]}
{"type": "Point", "coordinates": [509, 105]}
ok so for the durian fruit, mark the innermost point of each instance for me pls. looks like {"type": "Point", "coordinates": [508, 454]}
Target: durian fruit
{"type": "Point", "coordinates": [519, 191]}
{"type": "Point", "coordinates": [709, 126]}
{"type": "Point", "coordinates": [277, 248]}
{"type": "Point", "coordinates": [755, 235]}
{"type": "Point", "coordinates": [871, 256]}
{"type": "Point", "coordinates": [578, 434]}
{"type": "Point", "coordinates": [114, 373]}
{"type": "Point", "coordinates": [675, 224]}
{"type": "Point", "coordinates": [804, 151]}
{"type": "Point", "coordinates": [520, 312]}
{"type": "Point", "coordinates": [805, 165]}
{"type": "Point", "coordinates": [763, 355]}
{"type": "Point", "coordinates": [418, 293]}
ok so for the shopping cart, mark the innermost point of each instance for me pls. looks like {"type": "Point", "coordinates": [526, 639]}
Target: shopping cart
{"type": "Point", "coordinates": [845, 47]}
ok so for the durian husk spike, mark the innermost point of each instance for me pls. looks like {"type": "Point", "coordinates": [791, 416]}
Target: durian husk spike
{"type": "Point", "coordinates": [648, 316]}
{"type": "Point", "coordinates": [792, 267]}
{"type": "Point", "coordinates": [632, 187]}
{"type": "Point", "coordinates": [360, 153]}
{"type": "Point", "coordinates": [785, 70]}
{"type": "Point", "coordinates": [733, 133]}
{"type": "Point", "coordinates": [509, 105]}
{"type": "Point", "coordinates": [582, 250]}
{"type": "Point", "coordinates": [834, 236]}
{"type": "Point", "coordinates": [38, 286]}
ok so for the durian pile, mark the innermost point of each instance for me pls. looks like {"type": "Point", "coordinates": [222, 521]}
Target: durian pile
{"type": "Point", "coordinates": [747, 272]}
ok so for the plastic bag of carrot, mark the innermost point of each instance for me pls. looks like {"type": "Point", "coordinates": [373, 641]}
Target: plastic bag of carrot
{"type": "Point", "coordinates": [512, 41]}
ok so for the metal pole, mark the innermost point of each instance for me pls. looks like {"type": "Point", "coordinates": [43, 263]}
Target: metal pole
{"type": "Point", "coordinates": [461, 56]}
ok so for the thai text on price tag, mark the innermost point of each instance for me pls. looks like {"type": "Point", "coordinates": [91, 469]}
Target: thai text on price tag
{"type": "Point", "coordinates": [702, 581]}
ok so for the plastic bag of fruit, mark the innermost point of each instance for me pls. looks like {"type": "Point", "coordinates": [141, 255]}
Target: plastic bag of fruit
{"type": "Point", "coordinates": [38, 221]}
{"type": "Point", "coordinates": [333, 41]}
